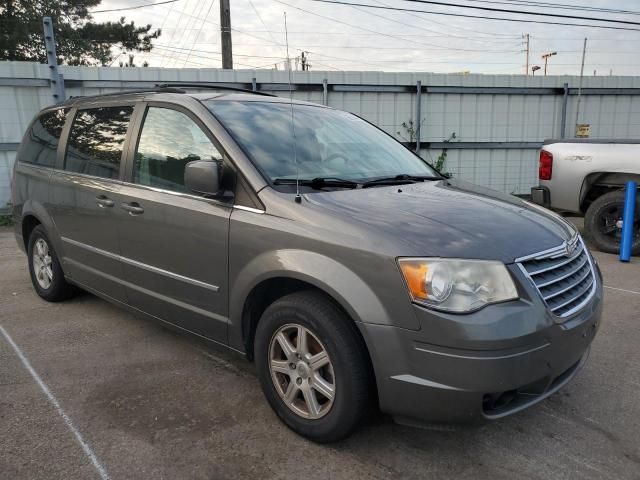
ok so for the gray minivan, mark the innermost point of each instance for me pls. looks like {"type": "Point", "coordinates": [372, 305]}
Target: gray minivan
{"type": "Point", "coordinates": [353, 273]}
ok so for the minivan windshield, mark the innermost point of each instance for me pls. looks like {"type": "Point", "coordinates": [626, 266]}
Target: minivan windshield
{"type": "Point", "coordinates": [329, 144]}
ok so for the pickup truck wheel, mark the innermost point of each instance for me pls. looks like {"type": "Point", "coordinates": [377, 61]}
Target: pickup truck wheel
{"type": "Point", "coordinates": [45, 270]}
{"type": "Point", "coordinates": [603, 223]}
{"type": "Point", "coordinates": [313, 366]}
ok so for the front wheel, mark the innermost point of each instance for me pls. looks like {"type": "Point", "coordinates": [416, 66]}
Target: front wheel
{"type": "Point", "coordinates": [603, 223]}
{"type": "Point", "coordinates": [313, 366]}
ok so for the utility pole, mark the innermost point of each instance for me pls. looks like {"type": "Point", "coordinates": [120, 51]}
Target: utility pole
{"type": "Point", "coordinates": [546, 59]}
{"type": "Point", "coordinates": [526, 43]}
{"type": "Point", "coordinates": [584, 54]}
{"type": "Point", "coordinates": [225, 35]}
{"type": "Point", "coordinates": [305, 62]}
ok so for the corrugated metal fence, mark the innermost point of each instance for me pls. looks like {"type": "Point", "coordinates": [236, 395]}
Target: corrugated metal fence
{"type": "Point", "coordinates": [499, 121]}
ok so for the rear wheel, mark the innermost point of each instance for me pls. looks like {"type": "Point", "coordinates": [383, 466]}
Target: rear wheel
{"type": "Point", "coordinates": [603, 222]}
{"type": "Point", "coordinates": [313, 366]}
{"type": "Point", "coordinates": [45, 270]}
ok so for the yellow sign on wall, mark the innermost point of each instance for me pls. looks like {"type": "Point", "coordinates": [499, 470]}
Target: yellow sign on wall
{"type": "Point", "coordinates": [583, 130]}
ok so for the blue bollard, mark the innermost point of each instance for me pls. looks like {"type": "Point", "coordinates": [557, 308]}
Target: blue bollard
{"type": "Point", "coordinates": [627, 221]}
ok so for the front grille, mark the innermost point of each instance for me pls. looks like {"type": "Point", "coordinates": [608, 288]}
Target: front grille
{"type": "Point", "coordinates": [566, 282]}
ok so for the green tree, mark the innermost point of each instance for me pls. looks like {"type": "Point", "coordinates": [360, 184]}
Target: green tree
{"type": "Point", "coordinates": [79, 39]}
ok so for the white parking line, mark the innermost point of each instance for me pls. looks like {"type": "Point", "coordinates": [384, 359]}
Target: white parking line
{"type": "Point", "coordinates": [622, 290]}
{"type": "Point", "coordinates": [85, 446]}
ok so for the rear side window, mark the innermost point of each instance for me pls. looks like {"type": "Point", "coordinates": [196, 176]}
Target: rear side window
{"type": "Point", "coordinates": [41, 143]}
{"type": "Point", "coordinates": [96, 141]}
{"type": "Point", "coordinates": [168, 142]}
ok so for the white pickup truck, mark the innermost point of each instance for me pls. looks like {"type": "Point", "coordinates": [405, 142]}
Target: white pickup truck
{"type": "Point", "coordinates": [588, 176]}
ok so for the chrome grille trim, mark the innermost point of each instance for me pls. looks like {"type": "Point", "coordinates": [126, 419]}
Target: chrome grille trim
{"type": "Point", "coordinates": [565, 283]}
{"type": "Point", "coordinates": [574, 270]}
{"type": "Point", "coordinates": [566, 289]}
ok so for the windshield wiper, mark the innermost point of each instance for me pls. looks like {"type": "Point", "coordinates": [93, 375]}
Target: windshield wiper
{"type": "Point", "coordinates": [400, 179]}
{"type": "Point", "coordinates": [319, 182]}
{"type": "Point", "coordinates": [322, 182]}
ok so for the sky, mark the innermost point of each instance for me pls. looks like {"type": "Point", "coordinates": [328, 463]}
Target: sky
{"type": "Point", "coordinates": [355, 38]}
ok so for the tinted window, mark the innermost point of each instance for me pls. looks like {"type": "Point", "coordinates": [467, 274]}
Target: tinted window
{"type": "Point", "coordinates": [328, 143]}
{"type": "Point", "coordinates": [41, 143]}
{"type": "Point", "coordinates": [96, 141]}
{"type": "Point", "coordinates": [169, 140]}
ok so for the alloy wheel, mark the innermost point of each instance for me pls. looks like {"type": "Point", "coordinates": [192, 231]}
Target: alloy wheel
{"type": "Point", "coordinates": [42, 267]}
{"type": "Point", "coordinates": [302, 371]}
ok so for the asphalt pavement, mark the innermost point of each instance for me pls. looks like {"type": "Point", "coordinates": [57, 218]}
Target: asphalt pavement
{"type": "Point", "coordinates": [88, 390]}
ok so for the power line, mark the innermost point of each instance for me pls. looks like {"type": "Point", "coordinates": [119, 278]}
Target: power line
{"type": "Point", "coordinates": [376, 47]}
{"type": "Point", "coordinates": [184, 33]}
{"type": "Point", "coordinates": [201, 56]}
{"type": "Point", "coordinates": [337, 2]}
{"type": "Point", "coordinates": [262, 21]}
{"type": "Point", "coordinates": [457, 27]}
{"type": "Point", "coordinates": [432, 45]}
{"type": "Point", "coordinates": [167, 58]}
{"type": "Point", "coordinates": [559, 6]}
{"type": "Point", "coordinates": [508, 38]}
{"type": "Point", "coordinates": [133, 8]}
{"type": "Point", "coordinates": [401, 37]}
{"type": "Point", "coordinates": [164, 21]}
{"type": "Point", "coordinates": [179, 49]}
{"type": "Point", "coordinates": [523, 12]}
{"type": "Point", "coordinates": [195, 41]}
{"type": "Point", "coordinates": [186, 49]}
{"type": "Point", "coordinates": [209, 58]}
{"type": "Point", "coordinates": [444, 47]}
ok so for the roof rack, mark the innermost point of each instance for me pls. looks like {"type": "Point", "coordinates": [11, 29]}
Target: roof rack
{"type": "Point", "coordinates": [212, 86]}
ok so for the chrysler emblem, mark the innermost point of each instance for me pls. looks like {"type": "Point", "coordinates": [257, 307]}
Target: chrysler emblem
{"type": "Point", "coordinates": [570, 246]}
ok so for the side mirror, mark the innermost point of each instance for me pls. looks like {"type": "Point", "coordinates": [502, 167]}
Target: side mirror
{"type": "Point", "coordinates": [202, 177]}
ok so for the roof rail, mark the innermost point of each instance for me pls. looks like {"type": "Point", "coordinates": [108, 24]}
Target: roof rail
{"type": "Point", "coordinates": [212, 86]}
{"type": "Point", "coordinates": [156, 88]}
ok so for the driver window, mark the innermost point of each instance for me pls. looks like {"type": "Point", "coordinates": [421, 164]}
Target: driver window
{"type": "Point", "coordinates": [168, 142]}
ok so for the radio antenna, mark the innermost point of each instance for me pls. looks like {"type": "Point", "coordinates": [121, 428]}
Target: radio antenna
{"type": "Point", "coordinates": [298, 199]}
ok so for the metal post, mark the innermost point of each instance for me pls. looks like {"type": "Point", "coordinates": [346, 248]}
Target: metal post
{"type": "Point", "coordinates": [56, 81]}
{"type": "Point", "coordinates": [584, 53]}
{"type": "Point", "coordinates": [325, 92]}
{"type": "Point", "coordinates": [626, 242]}
{"type": "Point", "coordinates": [225, 35]}
{"type": "Point", "coordinates": [563, 119]}
{"type": "Point", "coordinates": [253, 84]}
{"type": "Point", "coordinates": [418, 115]}
{"type": "Point", "coordinates": [526, 68]}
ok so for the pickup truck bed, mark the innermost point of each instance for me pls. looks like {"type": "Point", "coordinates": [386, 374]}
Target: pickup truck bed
{"type": "Point", "coordinates": [587, 176]}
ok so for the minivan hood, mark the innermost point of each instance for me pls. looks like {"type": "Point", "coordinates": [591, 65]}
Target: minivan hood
{"type": "Point", "coordinates": [450, 218]}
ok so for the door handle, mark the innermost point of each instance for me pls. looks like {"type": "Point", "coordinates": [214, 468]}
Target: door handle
{"type": "Point", "coordinates": [104, 202]}
{"type": "Point", "coordinates": [133, 208]}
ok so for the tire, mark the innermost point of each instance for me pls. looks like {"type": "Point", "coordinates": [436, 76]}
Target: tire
{"type": "Point", "coordinates": [45, 270]}
{"type": "Point", "coordinates": [327, 329]}
{"type": "Point", "coordinates": [600, 220]}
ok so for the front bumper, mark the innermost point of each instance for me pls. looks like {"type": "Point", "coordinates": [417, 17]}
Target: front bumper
{"type": "Point", "coordinates": [485, 365]}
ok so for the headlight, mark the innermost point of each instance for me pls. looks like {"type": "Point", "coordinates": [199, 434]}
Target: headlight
{"type": "Point", "coordinates": [457, 285]}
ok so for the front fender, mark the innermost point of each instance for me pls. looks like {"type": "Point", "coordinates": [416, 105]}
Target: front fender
{"type": "Point", "coordinates": [325, 273]}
